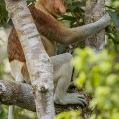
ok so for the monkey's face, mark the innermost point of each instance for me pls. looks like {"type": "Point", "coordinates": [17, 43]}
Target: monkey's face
{"type": "Point", "coordinates": [55, 7]}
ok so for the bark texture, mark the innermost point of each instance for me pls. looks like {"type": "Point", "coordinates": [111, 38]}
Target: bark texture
{"type": "Point", "coordinates": [16, 93]}
{"type": "Point", "coordinates": [38, 63]}
{"type": "Point", "coordinates": [95, 9]}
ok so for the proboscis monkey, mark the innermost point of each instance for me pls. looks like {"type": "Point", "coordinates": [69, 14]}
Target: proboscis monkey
{"type": "Point", "coordinates": [51, 31]}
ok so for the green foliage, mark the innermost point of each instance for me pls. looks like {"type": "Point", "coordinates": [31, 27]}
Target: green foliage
{"type": "Point", "coordinates": [3, 14]}
{"type": "Point", "coordinates": [3, 112]}
{"type": "Point", "coordinates": [69, 115]}
{"type": "Point", "coordinates": [21, 113]}
{"type": "Point", "coordinates": [75, 13]}
{"type": "Point", "coordinates": [112, 30]}
{"type": "Point", "coordinates": [99, 73]}
{"type": "Point", "coordinates": [62, 49]}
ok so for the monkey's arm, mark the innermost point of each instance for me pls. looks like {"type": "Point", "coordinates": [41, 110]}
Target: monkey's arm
{"type": "Point", "coordinates": [83, 32]}
{"type": "Point", "coordinates": [54, 30]}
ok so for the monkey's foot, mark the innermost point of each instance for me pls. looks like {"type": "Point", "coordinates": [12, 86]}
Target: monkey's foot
{"type": "Point", "coordinates": [71, 98]}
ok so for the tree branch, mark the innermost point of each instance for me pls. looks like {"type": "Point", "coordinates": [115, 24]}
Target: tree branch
{"type": "Point", "coordinates": [17, 93]}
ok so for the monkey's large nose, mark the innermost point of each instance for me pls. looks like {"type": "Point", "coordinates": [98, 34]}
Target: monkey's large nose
{"type": "Point", "coordinates": [58, 6]}
{"type": "Point", "coordinates": [62, 9]}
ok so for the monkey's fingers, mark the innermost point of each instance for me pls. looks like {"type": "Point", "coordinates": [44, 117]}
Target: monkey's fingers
{"type": "Point", "coordinates": [83, 102]}
{"type": "Point", "coordinates": [71, 98]}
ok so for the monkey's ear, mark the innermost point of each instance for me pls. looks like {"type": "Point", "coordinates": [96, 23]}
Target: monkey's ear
{"type": "Point", "coordinates": [59, 5]}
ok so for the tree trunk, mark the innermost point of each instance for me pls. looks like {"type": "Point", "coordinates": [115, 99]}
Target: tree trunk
{"type": "Point", "coordinates": [95, 9]}
{"type": "Point", "coordinates": [38, 62]}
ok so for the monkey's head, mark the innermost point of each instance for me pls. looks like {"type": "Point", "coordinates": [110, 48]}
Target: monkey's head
{"type": "Point", "coordinates": [53, 7]}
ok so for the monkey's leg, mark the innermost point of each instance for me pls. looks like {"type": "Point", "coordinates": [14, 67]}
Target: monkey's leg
{"type": "Point", "coordinates": [62, 77]}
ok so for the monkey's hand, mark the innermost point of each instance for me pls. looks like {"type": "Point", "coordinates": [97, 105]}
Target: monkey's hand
{"type": "Point", "coordinates": [106, 19]}
{"type": "Point", "coordinates": [72, 98]}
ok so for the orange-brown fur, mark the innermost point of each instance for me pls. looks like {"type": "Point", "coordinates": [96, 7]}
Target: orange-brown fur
{"type": "Point", "coordinates": [14, 48]}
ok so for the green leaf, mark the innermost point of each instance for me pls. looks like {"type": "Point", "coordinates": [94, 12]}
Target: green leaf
{"type": "Point", "coordinates": [30, 1]}
{"type": "Point", "coordinates": [114, 17]}
{"type": "Point", "coordinates": [62, 49]}
{"type": "Point", "coordinates": [69, 18]}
